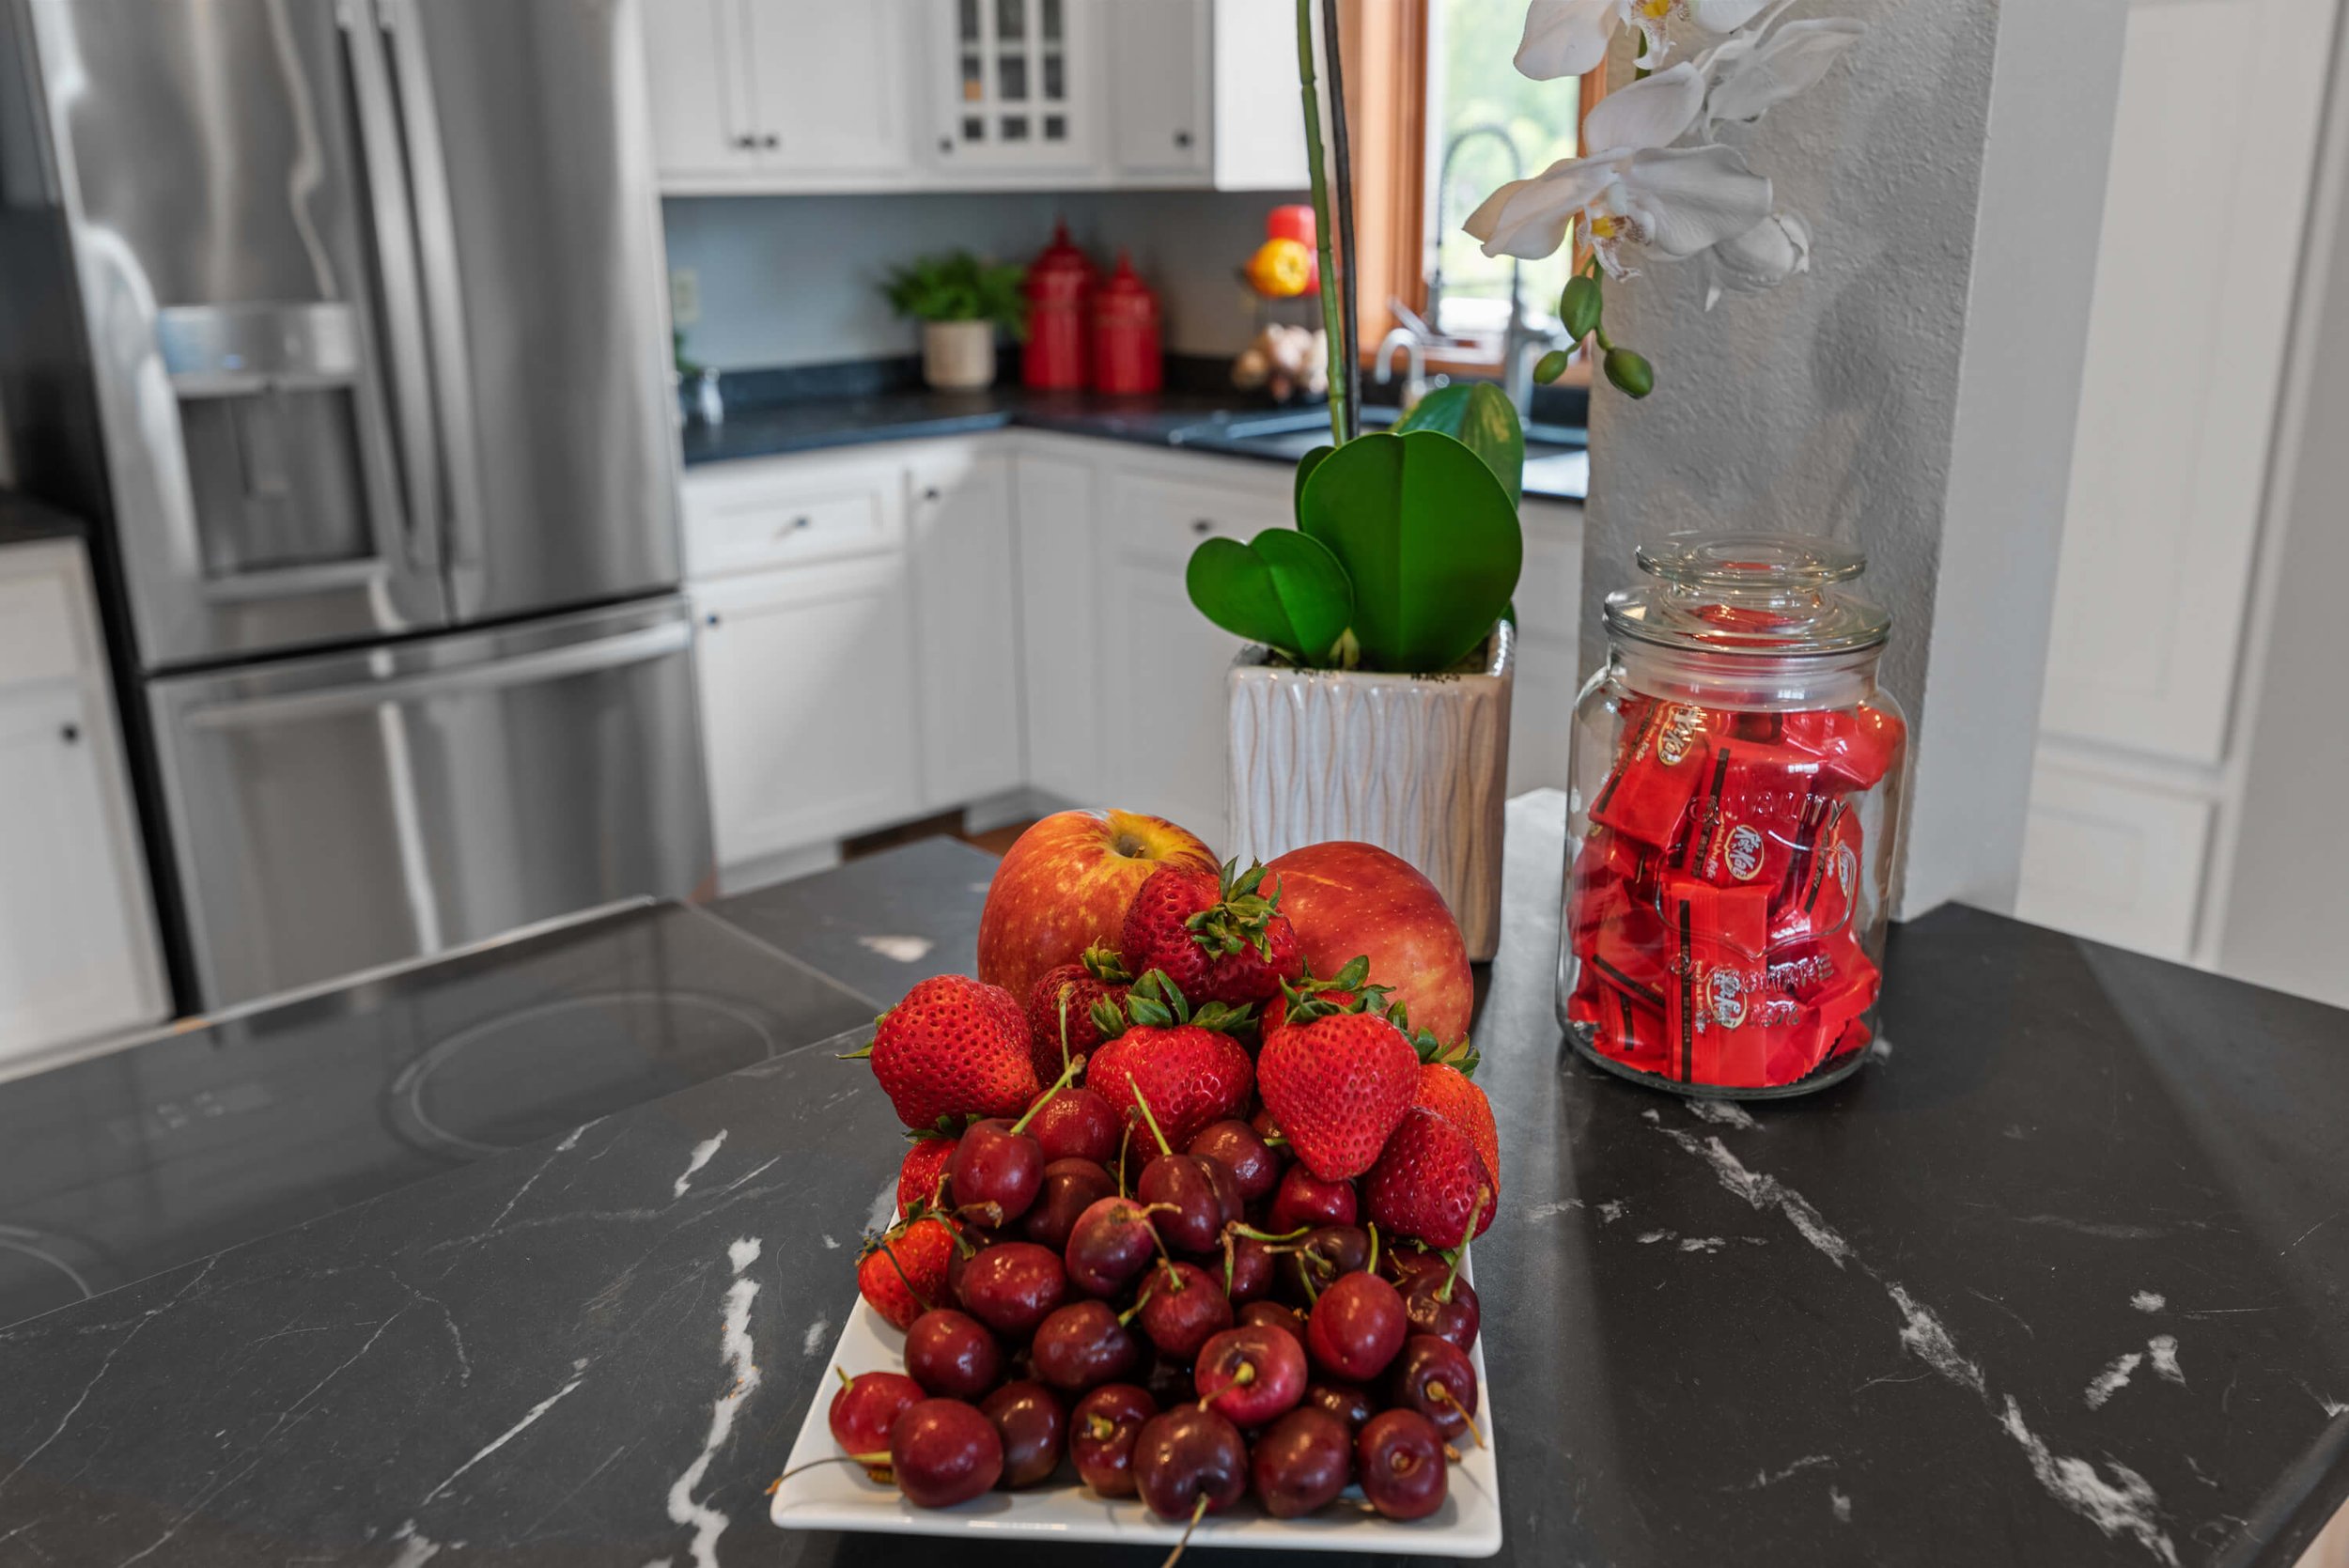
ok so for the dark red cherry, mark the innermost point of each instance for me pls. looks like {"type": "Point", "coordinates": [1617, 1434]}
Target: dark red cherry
{"type": "Point", "coordinates": [1251, 1376]}
{"type": "Point", "coordinates": [943, 1451]}
{"type": "Point", "coordinates": [1302, 1463]}
{"type": "Point", "coordinates": [1193, 1216]}
{"type": "Point", "coordinates": [1182, 1309]}
{"type": "Point", "coordinates": [1399, 1459]}
{"type": "Point", "coordinates": [1083, 1345]}
{"type": "Point", "coordinates": [1229, 1199]}
{"type": "Point", "coordinates": [1014, 1287]}
{"type": "Point", "coordinates": [1349, 1401]}
{"type": "Point", "coordinates": [1111, 1242]}
{"type": "Point", "coordinates": [1101, 1433]}
{"type": "Point", "coordinates": [1302, 1274]}
{"type": "Point", "coordinates": [1433, 1376]}
{"type": "Point", "coordinates": [1070, 1187]}
{"type": "Point", "coordinates": [1033, 1428]}
{"type": "Point", "coordinates": [867, 1407]}
{"type": "Point", "coordinates": [1076, 1123]}
{"type": "Point", "coordinates": [1456, 1319]}
{"type": "Point", "coordinates": [1357, 1326]}
{"type": "Point", "coordinates": [1245, 1270]}
{"type": "Point", "coordinates": [1304, 1198]}
{"type": "Point", "coordinates": [995, 1173]}
{"type": "Point", "coordinates": [1242, 1151]}
{"type": "Point", "coordinates": [1276, 1314]}
{"type": "Point", "coordinates": [1188, 1454]}
{"type": "Point", "coordinates": [952, 1355]}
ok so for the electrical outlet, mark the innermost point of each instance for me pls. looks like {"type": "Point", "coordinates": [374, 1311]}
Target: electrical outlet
{"type": "Point", "coordinates": [685, 296]}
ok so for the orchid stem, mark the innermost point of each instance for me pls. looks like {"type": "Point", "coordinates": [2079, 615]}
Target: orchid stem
{"type": "Point", "coordinates": [1331, 327]}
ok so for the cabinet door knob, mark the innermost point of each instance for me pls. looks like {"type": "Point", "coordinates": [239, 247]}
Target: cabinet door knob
{"type": "Point", "coordinates": [70, 734]}
{"type": "Point", "coordinates": [930, 495]}
{"type": "Point", "coordinates": [945, 144]}
{"type": "Point", "coordinates": [771, 139]}
{"type": "Point", "coordinates": [1182, 138]}
{"type": "Point", "coordinates": [800, 522]}
{"type": "Point", "coordinates": [1203, 526]}
{"type": "Point", "coordinates": [710, 619]}
{"type": "Point", "coordinates": [746, 142]}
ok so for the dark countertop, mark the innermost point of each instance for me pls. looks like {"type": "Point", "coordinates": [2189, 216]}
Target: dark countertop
{"type": "Point", "coordinates": [23, 520]}
{"type": "Point", "coordinates": [1864, 1327]}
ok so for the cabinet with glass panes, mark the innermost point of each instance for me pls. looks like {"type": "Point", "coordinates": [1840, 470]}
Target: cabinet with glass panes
{"type": "Point", "coordinates": [1015, 85]}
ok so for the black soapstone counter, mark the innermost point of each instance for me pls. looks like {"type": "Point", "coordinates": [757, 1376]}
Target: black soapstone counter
{"type": "Point", "coordinates": [2059, 1281]}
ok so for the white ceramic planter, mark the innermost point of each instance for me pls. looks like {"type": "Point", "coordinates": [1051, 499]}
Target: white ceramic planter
{"type": "Point", "coordinates": [1418, 765]}
{"type": "Point", "coordinates": [959, 356]}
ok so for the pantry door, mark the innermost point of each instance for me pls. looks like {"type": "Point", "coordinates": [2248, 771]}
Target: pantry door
{"type": "Point", "coordinates": [2212, 161]}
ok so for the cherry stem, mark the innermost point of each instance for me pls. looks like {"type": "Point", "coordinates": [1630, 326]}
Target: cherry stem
{"type": "Point", "coordinates": [1198, 1512]}
{"type": "Point", "coordinates": [1140, 1301]}
{"type": "Point", "coordinates": [920, 1299]}
{"type": "Point", "coordinates": [1241, 1378]}
{"type": "Point", "coordinates": [862, 1461]}
{"type": "Point", "coordinates": [1067, 1072]}
{"type": "Point", "coordinates": [1064, 1026]}
{"type": "Point", "coordinates": [1124, 1140]}
{"type": "Point", "coordinates": [1370, 1264]}
{"type": "Point", "coordinates": [1164, 1147]}
{"type": "Point", "coordinates": [1442, 1395]}
{"type": "Point", "coordinates": [1459, 1253]}
{"type": "Point", "coordinates": [1236, 1228]}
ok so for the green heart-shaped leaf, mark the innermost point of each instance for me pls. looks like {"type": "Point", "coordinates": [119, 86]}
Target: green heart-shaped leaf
{"type": "Point", "coordinates": [1281, 589]}
{"type": "Point", "coordinates": [1428, 538]}
{"type": "Point", "coordinates": [1479, 416]}
{"type": "Point", "coordinates": [1305, 466]}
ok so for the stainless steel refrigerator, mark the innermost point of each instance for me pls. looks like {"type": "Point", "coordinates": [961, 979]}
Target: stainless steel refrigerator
{"type": "Point", "coordinates": [344, 317]}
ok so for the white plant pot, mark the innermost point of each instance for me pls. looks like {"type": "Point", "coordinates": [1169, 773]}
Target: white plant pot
{"type": "Point", "coordinates": [959, 356]}
{"type": "Point", "coordinates": [1417, 764]}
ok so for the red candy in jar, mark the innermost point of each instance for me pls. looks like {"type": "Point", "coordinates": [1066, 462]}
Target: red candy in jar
{"type": "Point", "coordinates": [1733, 828]}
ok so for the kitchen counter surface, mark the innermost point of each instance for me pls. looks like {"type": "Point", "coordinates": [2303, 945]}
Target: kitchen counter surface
{"type": "Point", "coordinates": [1170, 420]}
{"type": "Point", "coordinates": [2060, 1281]}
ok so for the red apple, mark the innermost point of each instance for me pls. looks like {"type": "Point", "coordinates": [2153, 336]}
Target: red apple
{"type": "Point", "coordinates": [1065, 884]}
{"type": "Point", "coordinates": [1349, 899]}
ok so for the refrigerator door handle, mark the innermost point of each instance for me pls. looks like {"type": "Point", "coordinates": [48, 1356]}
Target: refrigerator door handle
{"type": "Point", "coordinates": [611, 653]}
{"type": "Point", "coordinates": [407, 357]}
{"type": "Point", "coordinates": [411, 71]}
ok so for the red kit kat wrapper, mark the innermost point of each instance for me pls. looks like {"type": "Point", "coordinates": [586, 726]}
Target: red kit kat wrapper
{"type": "Point", "coordinates": [1856, 747]}
{"type": "Point", "coordinates": [1629, 1031]}
{"type": "Point", "coordinates": [1657, 771]}
{"type": "Point", "coordinates": [1616, 928]}
{"type": "Point", "coordinates": [1823, 894]}
{"type": "Point", "coordinates": [1748, 822]}
{"type": "Point", "coordinates": [1716, 939]}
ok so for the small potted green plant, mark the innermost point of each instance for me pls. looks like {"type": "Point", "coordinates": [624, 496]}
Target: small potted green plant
{"type": "Point", "coordinates": [961, 302]}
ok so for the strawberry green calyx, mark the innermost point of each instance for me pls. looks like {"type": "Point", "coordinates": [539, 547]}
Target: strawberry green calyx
{"type": "Point", "coordinates": [1156, 1002]}
{"type": "Point", "coordinates": [1346, 992]}
{"type": "Point", "coordinates": [1106, 964]}
{"type": "Point", "coordinates": [948, 1127]}
{"type": "Point", "coordinates": [1239, 918]}
{"type": "Point", "coordinates": [1460, 1056]}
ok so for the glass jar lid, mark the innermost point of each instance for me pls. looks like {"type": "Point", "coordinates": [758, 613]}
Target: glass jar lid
{"type": "Point", "coordinates": [1771, 594]}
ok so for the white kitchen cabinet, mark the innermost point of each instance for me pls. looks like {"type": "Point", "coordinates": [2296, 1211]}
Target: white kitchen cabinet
{"type": "Point", "coordinates": [1061, 618]}
{"type": "Point", "coordinates": [809, 704]}
{"type": "Point", "coordinates": [967, 592]}
{"type": "Point", "coordinates": [779, 95]}
{"type": "Point", "coordinates": [1159, 58]}
{"type": "Point", "coordinates": [1011, 88]}
{"type": "Point", "coordinates": [78, 953]}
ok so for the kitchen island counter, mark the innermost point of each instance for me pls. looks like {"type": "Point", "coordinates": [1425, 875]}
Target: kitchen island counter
{"type": "Point", "coordinates": [2060, 1281]}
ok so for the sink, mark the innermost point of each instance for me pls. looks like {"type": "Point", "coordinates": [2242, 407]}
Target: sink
{"type": "Point", "coordinates": [1557, 459]}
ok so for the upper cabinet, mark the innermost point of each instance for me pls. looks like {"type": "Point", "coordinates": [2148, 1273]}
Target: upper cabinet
{"type": "Point", "coordinates": [771, 95]}
{"type": "Point", "coordinates": [782, 96]}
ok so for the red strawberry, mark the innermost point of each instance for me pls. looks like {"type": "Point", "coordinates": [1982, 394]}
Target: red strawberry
{"type": "Point", "coordinates": [1190, 1071]}
{"type": "Point", "coordinates": [1337, 1082]}
{"type": "Point", "coordinates": [904, 1272]}
{"type": "Point", "coordinates": [1446, 1090]}
{"type": "Point", "coordinates": [1216, 938]}
{"type": "Point", "coordinates": [924, 1169]}
{"type": "Point", "coordinates": [953, 1046]}
{"type": "Point", "coordinates": [1064, 999]}
{"type": "Point", "coordinates": [1428, 1181]}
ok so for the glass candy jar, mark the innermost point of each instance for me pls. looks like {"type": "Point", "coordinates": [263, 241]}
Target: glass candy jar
{"type": "Point", "coordinates": [1737, 776]}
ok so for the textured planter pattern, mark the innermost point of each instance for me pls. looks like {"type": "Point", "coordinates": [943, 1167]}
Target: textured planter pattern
{"type": "Point", "coordinates": [959, 356]}
{"type": "Point", "coordinates": [1417, 766]}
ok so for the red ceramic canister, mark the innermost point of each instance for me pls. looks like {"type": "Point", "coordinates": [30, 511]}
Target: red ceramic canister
{"type": "Point", "coordinates": [1127, 356]}
{"type": "Point", "coordinates": [1059, 287]}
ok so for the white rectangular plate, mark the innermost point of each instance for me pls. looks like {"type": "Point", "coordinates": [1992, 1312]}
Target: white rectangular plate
{"type": "Point", "coordinates": [842, 1496]}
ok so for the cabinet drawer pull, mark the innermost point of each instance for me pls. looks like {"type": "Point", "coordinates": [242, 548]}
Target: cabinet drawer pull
{"type": "Point", "coordinates": [802, 521]}
{"type": "Point", "coordinates": [1182, 138]}
{"type": "Point", "coordinates": [710, 619]}
{"type": "Point", "coordinates": [930, 495]}
{"type": "Point", "coordinates": [771, 139]}
{"type": "Point", "coordinates": [70, 734]}
{"type": "Point", "coordinates": [746, 142]}
{"type": "Point", "coordinates": [1203, 526]}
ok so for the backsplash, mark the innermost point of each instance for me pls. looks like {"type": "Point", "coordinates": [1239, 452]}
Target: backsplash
{"type": "Point", "coordinates": [792, 280]}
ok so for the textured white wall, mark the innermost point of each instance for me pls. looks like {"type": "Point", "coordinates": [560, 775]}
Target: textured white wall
{"type": "Point", "coordinates": [1914, 394]}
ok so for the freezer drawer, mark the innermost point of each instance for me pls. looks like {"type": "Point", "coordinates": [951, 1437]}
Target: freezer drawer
{"type": "Point", "coordinates": [333, 813]}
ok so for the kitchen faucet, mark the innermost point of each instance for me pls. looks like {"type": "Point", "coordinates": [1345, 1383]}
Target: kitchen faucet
{"type": "Point", "coordinates": [1521, 345]}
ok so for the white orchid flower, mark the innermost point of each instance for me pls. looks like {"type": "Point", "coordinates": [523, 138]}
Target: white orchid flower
{"type": "Point", "coordinates": [1764, 257]}
{"type": "Point", "coordinates": [1566, 38]}
{"type": "Point", "coordinates": [1750, 74]}
{"type": "Point", "coordinates": [1639, 192]}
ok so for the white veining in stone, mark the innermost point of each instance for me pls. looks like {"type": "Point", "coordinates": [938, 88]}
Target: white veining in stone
{"type": "Point", "coordinates": [530, 1418]}
{"type": "Point", "coordinates": [703, 1152]}
{"type": "Point", "coordinates": [414, 1549]}
{"type": "Point", "coordinates": [904, 949]}
{"type": "Point", "coordinates": [571, 1140]}
{"type": "Point", "coordinates": [1724, 1113]}
{"type": "Point", "coordinates": [734, 1342]}
{"type": "Point", "coordinates": [1613, 1210]}
{"type": "Point", "coordinates": [832, 1243]}
{"type": "Point", "coordinates": [1702, 1244]}
{"type": "Point", "coordinates": [2149, 1301]}
{"type": "Point", "coordinates": [2126, 1505]}
{"type": "Point", "coordinates": [1841, 1504]}
{"type": "Point", "coordinates": [1771, 1478]}
{"type": "Point", "coordinates": [1546, 1211]}
{"type": "Point", "coordinates": [2163, 1350]}
{"type": "Point", "coordinates": [2114, 1378]}
{"type": "Point", "coordinates": [1929, 1339]}
{"type": "Point", "coordinates": [1648, 1238]}
{"type": "Point", "coordinates": [813, 1341]}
